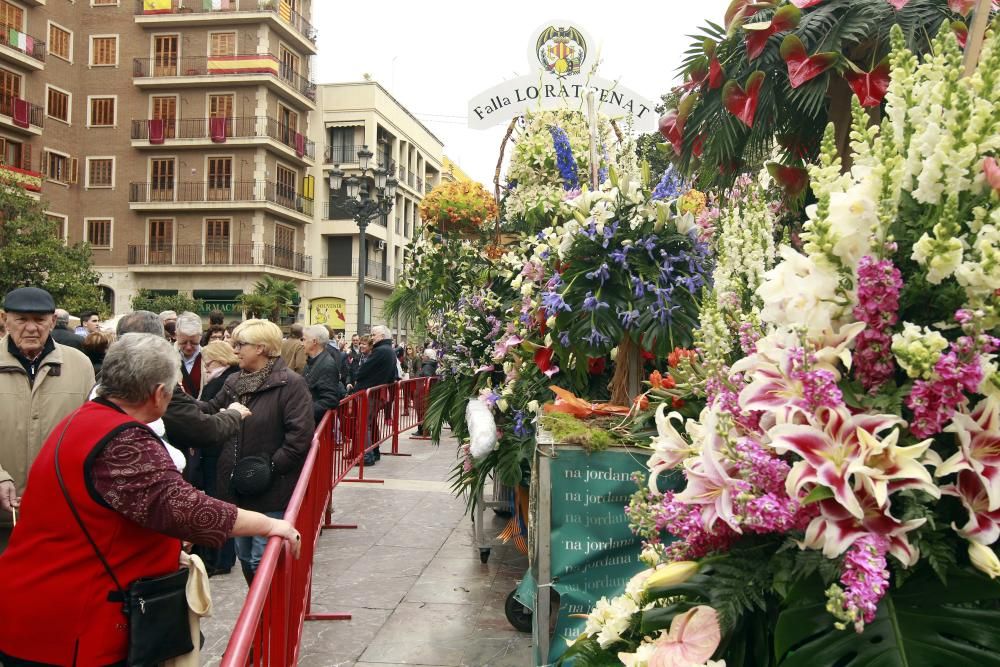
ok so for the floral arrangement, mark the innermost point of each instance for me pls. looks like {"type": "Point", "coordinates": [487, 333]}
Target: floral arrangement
{"type": "Point", "coordinates": [840, 492]}
{"type": "Point", "coordinates": [461, 206]}
{"type": "Point", "coordinates": [552, 158]}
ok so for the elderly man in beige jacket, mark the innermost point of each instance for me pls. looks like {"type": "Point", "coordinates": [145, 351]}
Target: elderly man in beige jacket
{"type": "Point", "coordinates": [41, 382]}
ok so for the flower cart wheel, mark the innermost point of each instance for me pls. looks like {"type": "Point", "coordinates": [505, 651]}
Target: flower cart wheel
{"type": "Point", "coordinates": [518, 615]}
{"type": "Point", "coordinates": [484, 554]}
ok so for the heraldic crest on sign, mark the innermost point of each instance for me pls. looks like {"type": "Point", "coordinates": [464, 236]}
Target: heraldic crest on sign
{"type": "Point", "coordinates": [561, 51]}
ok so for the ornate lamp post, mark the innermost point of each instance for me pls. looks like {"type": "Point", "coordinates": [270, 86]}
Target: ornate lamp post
{"type": "Point", "coordinates": [370, 194]}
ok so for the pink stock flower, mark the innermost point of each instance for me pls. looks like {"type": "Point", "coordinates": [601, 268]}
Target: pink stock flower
{"type": "Point", "coordinates": [983, 525]}
{"type": "Point", "coordinates": [865, 579]}
{"type": "Point", "coordinates": [691, 640]}
{"type": "Point", "coordinates": [835, 529]}
{"type": "Point", "coordinates": [684, 522]}
{"type": "Point", "coordinates": [832, 454]}
{"type": "Point", "coordinates": [879, 282]}
{"type": "Point", "coordinates": [979, 447]}
{"type": "Point", "coordinates": [957, 372]}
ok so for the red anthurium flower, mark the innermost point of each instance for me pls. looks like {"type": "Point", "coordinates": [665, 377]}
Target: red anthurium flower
{"type": "Point", "coordinates": [743, 9]}
{"type": "Point", "coordinates": [898, 4]}
{"type": "Point", "coordinates": [540, 318]}
{"type": "Point", "coordinates": [543, 359]}
{"type": "Point", "coordinates": [962, 7]}
{"type": "Point", "coordinates": [785, 18]}
{"type": "Point", "coordinates": [802, 67]}
{"type": "Point", "coordinates": [802, 4]}
{"type": "Point", "coordinates": [742, 102]}
{"type": "Point", "coordinates": [794, 145]}
{"type": "Point", "coordinates": [715, 74]}
{"type": "Point", "coordinates": [698, 145]}
{"type": "Point", "coordinates": [870, 87]}
{"type": "Point", "coordinates": [647, 356]}
{"type": "Point", "coordinates": [961, 32]}
{"type": "Point", "coordinates": [670, 131]}
{"type": "Point", "coordinates": [793, 179]}
{"type": "Point", "coordinates": [596, 365]}
{"type": "Point", "coordinates": [992, 170]}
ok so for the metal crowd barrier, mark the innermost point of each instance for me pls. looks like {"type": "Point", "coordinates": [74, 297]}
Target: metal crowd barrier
{"type": "Point", "coordinates": [269, 628]}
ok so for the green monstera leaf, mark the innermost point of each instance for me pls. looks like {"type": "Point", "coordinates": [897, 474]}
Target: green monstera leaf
{"type": "Point", "coordinates": [922, 624]}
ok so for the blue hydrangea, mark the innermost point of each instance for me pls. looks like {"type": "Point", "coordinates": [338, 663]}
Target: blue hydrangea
{"type": "Point", "coordinates": [565, 161]}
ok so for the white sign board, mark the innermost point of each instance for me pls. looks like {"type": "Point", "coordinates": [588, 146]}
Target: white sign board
{"type": "Point", "coordinates": [558, 55]}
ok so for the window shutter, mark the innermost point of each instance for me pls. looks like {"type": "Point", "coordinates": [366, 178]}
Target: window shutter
{"type": "Point", "coordinates": [45, 163]}
{"type": "Point", "coordinates": [74, 166]}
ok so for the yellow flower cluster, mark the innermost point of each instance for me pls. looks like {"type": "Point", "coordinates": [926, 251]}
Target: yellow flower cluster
{"type": "Point", "coordinates": [693, 201]}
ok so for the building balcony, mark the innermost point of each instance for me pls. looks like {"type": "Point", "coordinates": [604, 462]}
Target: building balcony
{"type": "Point", "coordinates": [179, 13]}
{"type": "Point", "coordinates": [341, 154]}
{"type": "Point", "coordinates": [214, 71]}
{"type": "Point", "coordinates": [374, 271]}
{"type": "Point", "coordinates": [21, 48]}
{"type": "Point", "coordinates": [206, 132]}
{"type": "Point", "coordinates": [217, 258]}
{"type": "Point", "coordinates": [21, 115]}
{"type": "Point", "coordinates": [220, 194]}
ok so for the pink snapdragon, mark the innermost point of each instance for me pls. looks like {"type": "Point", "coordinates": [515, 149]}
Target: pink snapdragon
{"type": "Point", "coordinates": [879, 282]}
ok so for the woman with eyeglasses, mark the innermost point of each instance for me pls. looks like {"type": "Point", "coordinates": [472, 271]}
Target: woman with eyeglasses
{"type": "Point", "coordinates": [278, 431]}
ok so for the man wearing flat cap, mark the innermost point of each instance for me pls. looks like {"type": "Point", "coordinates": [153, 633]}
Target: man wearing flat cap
{"type": "Point", "coordinates": [41, 382]}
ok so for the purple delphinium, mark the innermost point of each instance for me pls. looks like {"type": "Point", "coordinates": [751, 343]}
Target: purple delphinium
{"type": "Point", "coordinates": [600, 273]}
{"type": "Point", "coordinates": [671, 185]}
{"type": "Point", "coordinates": [628, 317]}
{"type": "Point", "coordinates": [596, 338]}
{"type": "Point", "coordinates": [591, 303]}
{"type": "Point", "coordinates": [553, 302]}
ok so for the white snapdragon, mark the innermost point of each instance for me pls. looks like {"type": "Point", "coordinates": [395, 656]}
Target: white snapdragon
{"type": "Point", "coordinates": [980, 275]}
{"type": "Point", "coordinates": [917, 350]}
{"type": "Point", "coordinates": [940, 256]}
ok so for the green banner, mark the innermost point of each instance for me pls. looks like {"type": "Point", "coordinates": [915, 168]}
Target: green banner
{"type": "Point", "coordinates": [594, 553]}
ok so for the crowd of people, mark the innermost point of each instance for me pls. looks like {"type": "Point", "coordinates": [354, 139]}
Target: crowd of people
{"type": "Point", "coordinates": [122, 445]}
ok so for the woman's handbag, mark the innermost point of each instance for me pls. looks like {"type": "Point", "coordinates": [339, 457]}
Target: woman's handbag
{"type": "Point", "coordinates": [251, 476]}
{"type": "Point", "coordinates": [156, 607]}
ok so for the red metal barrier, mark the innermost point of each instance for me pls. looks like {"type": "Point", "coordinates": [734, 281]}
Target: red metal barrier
{"type": "Point", "coordinates": [269, 628]}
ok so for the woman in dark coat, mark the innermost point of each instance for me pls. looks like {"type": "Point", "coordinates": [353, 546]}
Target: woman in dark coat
{"type": "Point", "coordinates": [279, 428]}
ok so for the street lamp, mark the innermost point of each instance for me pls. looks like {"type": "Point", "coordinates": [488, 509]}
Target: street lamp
{"type": "Point", "coordinates": [370, 194]}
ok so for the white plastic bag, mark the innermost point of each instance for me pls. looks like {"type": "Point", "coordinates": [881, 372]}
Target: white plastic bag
{"type": "Point", "coordinates": [482, 428]}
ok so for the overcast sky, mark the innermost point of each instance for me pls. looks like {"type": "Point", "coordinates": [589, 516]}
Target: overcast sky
{"type": "Point", "coordinates": [434, 56]}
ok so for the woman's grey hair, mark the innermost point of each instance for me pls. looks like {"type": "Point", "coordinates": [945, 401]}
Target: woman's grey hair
{"type": "Point", "coordinates": [319, 332]}
{"type": "Point", "coordinates": [189, 324]}
{"type": "Point", "coordinates": [136, 364]}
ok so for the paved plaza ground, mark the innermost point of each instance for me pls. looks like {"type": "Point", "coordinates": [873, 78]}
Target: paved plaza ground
{"type": "Point", "coordinates": [410, 575]}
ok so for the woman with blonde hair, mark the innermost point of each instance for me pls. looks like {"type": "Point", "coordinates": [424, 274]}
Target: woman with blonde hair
{"type": "Point", "coordinates": [260, 468]}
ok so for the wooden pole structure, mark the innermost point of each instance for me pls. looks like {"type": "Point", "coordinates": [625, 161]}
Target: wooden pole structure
{"type": "Point", "coordinates": [974, 43]}
{"type": "Point", "coordinates": [592, 120]}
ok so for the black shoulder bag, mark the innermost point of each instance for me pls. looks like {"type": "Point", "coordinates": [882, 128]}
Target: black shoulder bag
{"type": "Point", "coordinates": [156, 607]}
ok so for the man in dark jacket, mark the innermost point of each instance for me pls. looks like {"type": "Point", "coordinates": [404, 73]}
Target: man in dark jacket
{"type": "Point", "coordinates": [62, 334]}
{"type": "Point", "coordinates": [321, 372]}
{"type": "Point", "coordinates": [186, 425]}
{"type": "Point", "coordinates": [377, 369]}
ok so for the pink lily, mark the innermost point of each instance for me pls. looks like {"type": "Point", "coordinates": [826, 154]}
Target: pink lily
{"type": "Point", "coordinates": [692, 639]}
{"type": "Point", "coordinates": [983, 525]}
{"type": "Point", "coordinates": [504, 346]}
{"type": "Point", "coordinates": [710, 485]}
{"type": "Point", "coordinates": [835, 529]}
{"type": "Point", "coordinates": [962, 7]}
{"type": "Point", "coordinates": [830, 455]}
{"type": "Point", "coordinates": [533, 271]}
{"type": "Point", "coordinates": [898, 4]}
{"type": "Point", "coordinates": [979, 447]}
{"type": "Point", "coordinates": [894, 468]}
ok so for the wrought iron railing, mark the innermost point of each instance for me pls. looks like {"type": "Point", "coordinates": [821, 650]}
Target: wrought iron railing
{"type": "Point", "coordinates": [250, 64]}
{"type": "Point", "coordinates": [220, 189]}
{"type": "Point", "coordinates": [282, 11]}
{"type": "Point", "coordinates": [35, 115]}
{"type": "Point", "coordinates": [220, 129]}
{"type": "Point", "coordinates": [23, 42]}
{"type": "Point", "coordinates": [219, 254]}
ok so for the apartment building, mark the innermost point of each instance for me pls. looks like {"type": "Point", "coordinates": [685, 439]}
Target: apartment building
{"type": "Point", "coordinates": [349, 116]}
{"type": "Point", "coordinates": [172, 135]}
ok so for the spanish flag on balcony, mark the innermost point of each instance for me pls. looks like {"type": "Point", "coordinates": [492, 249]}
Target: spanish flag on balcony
{"type": "Point", "coordinates": [157, 6]}
{"type": "Point", "coordinates": [263, 63]}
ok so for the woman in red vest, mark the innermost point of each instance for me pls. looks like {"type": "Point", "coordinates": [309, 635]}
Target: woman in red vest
{"type": "Point", "coordinates": [133, 502]}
